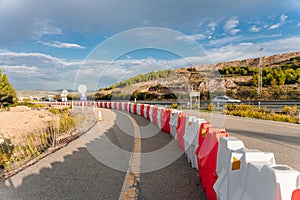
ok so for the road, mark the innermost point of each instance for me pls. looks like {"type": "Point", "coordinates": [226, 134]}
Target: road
{"type": "Point", "coordinates": [91, 168]}
{"type": "Point", "coordinates": [283, 139]}
{"type": "Point", "coordinates": [85, 169]}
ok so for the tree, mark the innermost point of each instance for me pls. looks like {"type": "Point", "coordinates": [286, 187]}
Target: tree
{"type": "Point", "coordinates": [7, 92]}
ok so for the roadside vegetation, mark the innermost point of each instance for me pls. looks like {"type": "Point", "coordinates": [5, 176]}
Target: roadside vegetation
{"type": "Point", "coordinates": [15, 151]}
{"type": "Point", "coordinates": [287, 113]}
{"type": "Point", "coordinates": [7, 92]}
{"type": "Point", "coordinates": [143, 78]}
{"type": "Point", "coordinates": [285, 74]}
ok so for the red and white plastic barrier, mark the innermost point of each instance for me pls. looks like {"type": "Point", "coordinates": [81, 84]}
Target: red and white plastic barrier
{"type": "Point", "coordinates": [191, 139]}
{"type": "Point", "coordinates": [181, 130]}
{"type": "Point", "coordinates": [227, 170]}
{"type": "Point", "coordinates": [174, 122]}
{"type": "Point", "coordinates": [159, 112]}
{"type": "Point", "coordinates": [252, 174]}
{"type": "Point", "coordinates": [165, 120]}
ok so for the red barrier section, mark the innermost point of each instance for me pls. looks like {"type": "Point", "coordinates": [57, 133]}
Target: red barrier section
{"type": "Point", "coordinates": [120, 105]}
{"type": "Point", "coordinates": [135, 108]}
{"type": "Point", "coordinates": [148, 111]}
{"type": "Point", "coordinates": [142, 106]}
{"type": "Point", "coordinates": [165, 120]}
{"type": "Point", "coordinates": [202, 133]}
{"type": "Point", "coordinates": [207, 158]}
{"type": "Point", "coordinates": [181, 130]}
{"type": "Point", "coordinates": [154, 114]}
{"type": "Point", "coordinates": [104, 104]}
{"type": "Point", "coordinates": [109, 105]}
{"type": "Point", "coordinates": [296, 194]}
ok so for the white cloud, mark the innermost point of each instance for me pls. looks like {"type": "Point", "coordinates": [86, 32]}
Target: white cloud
{"type": "Point", "coordinates": [18, 19]}
{"type": "Point", "coordinates": [298, 24]}
{"type": "Point", "coordinates": [191, 37]}
{"type": "Point", "coordinates": [41, 71]}
{"type": "Point", "coordinates": [46, 27]}
{"type": "Point", "coordinates": [212, 25]}
{"type": "Point", "coordinates": [224, 41]}
{"type": "Point", "coordinates": [274, 26]}
{"type": "Point", "coordinates": [58, 44]}
{"type": "Point", "coordinates": [234, 31]}
{"type": "Point", "coordinates": [282, 20]}
{"type": "Point", "coordinates": [254, 29]}
{"type": "Point", "coordinates": [231, 24]}
{"type": "Point", "coordinates": [243, 51]}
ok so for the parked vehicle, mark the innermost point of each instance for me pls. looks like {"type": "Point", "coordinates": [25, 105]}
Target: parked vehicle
{"type": "Point", "coordinates": [225, 99]}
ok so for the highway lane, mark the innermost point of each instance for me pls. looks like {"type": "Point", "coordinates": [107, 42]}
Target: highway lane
{"type": "Point", "coordinates": [283, 139]}
{"type": "Point", "coordinates": [87, 167]}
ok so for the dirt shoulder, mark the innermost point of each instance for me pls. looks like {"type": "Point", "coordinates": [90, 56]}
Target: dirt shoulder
{"type": "Point", "coordinates": [17, 123]}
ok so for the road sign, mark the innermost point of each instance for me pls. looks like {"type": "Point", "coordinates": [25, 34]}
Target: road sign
{"type": "Point", "coordinates": [194, 94]}
{"type": "Point", "coordinates": [83, 97]}
{"type": "Point", "coordinates": [82, 89]}
{"type": "Point", "coordinates": [64, 92]}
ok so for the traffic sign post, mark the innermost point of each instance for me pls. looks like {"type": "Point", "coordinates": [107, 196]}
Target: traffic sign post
{"type": "Point", "coordinates": [82, 90]}
{"type": "Point", "coordinates": [197, 95]}
{"type": "Point", "coordinates": [64, 97]}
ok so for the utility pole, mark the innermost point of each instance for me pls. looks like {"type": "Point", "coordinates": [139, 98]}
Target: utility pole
{"type": "Point", "coordinates": [259, 85]}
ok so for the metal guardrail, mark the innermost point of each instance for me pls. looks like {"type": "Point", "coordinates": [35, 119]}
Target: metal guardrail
{"type": "Point", "coordinates": [270, 105]}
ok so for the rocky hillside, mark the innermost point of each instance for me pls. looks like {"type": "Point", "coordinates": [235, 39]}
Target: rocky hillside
{"type": "Point", "coordinates": [281, 80]}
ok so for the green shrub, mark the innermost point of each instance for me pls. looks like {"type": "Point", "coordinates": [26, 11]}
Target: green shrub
{"type": "Point", "coordinates": [210, 107]}
{"type": "Point", "coordinates": [6, 151]}
{"type": "Point", "coordinates": [54, 111]}
{"type": "Point", "coordinates": [38, 106]}
{"type": "Point", "coordinates": [290, 110]}
{"type": "Point", "coordinates": [174, 105]}
{"type": "Point", "coordinates": [243, 110]}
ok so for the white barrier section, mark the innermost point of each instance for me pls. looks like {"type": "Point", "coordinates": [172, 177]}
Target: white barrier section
{"type": "Point", "coordinates": [227, 160]}
{"type": "Point", "coordinates": [131, 107]}
{"type": "Point", "coordinates": [138, 109]}
{"type": "Point", "coordinates": [174, 122]}
{"type": "Point", "coordinates": [234, 171]}
{"type": "Point", "coordinates": [151, 112]}
{"type": "Point", "coordinates": [188, 131]}
{"type": "Point", "coordinates": [159, 117]}
{"type": "Point", "coordinates": [145, 110]}
{"type": "Point", "coordinates": [270, 182]}
{"type": "Point", "coordinates": [194, 142]}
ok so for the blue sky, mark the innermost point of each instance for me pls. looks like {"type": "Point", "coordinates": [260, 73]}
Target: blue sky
{"type": "Point", "coordinates": [47, 44]}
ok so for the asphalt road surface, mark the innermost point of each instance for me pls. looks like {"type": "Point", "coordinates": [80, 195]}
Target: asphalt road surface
{"type": "Point", "coordinates": [92, 168]}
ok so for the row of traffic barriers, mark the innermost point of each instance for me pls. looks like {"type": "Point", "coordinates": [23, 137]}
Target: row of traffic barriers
{"type": "Point", "coordinates": [227, 170]}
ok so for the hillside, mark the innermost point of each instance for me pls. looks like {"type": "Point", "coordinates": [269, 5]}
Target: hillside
{"type": "Point", "coordinates": [281, 80]}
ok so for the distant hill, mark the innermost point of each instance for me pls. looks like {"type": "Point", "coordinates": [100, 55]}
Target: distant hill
{"type": "Point", "coordinates": [281, 80]}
